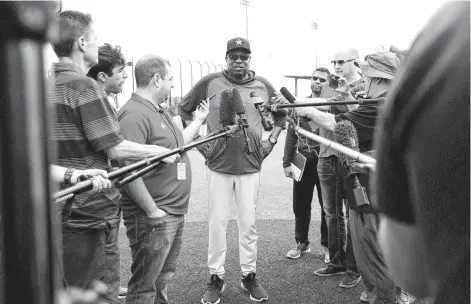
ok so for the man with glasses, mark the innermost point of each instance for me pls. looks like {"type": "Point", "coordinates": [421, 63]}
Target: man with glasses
{"type": "Point", "coordinates": [232, 171]}
{"type": "Point", "coordinates": [304, 188]}
{"type": "Point", "coordinates": [342, 259]}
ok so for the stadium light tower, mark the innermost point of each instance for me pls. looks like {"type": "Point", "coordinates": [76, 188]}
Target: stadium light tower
{"type": "Point", "coordinates": [314, 25]}
{"type": "Point", "coordinates": [246, 3]}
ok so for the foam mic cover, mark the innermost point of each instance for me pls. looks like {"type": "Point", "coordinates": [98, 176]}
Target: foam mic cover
{"type": "Point", "coordinates": [226, 108]}
{"type": "Point", "coordinates": [238, 104]}
{"type": "Point", "coordinates": [287, 95]}
{"type": "Point", "coordinates": [346, 135]}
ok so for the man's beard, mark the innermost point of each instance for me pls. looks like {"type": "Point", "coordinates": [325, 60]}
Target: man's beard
{"type": "Point", "coordinates": [239, 74]}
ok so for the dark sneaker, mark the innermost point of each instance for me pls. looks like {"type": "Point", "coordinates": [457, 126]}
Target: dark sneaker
{"type": "Point", "coordinates": [250, 284]}
{"type": "Point", "coordinates": [350, 280]}
{"type": "Point", "coordinates": [213, 293]}
{"type": "Point", "coordinates": [330, 270]}
{"type": "Point", "coordinates": [298, 250]}
{"type": "Point", "coordinates": [123, 291]}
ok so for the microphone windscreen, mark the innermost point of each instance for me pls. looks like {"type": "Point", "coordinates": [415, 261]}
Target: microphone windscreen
{"type": "Point", "coordinates": [287, 95]}
{"type": "Point", "coordinates": [226, 108]}
{"type": "Point", "coordinates": [238, 104]}
{"type": "Point", "coordinates": [346, 135]}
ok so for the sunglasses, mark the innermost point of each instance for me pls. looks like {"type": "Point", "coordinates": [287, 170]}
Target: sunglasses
{"type": "Point", "coordinates": [320, 79]}
{"type": "Point", "coordinates": [341, 62]}
{"type": "Point", "coordinates": [235, 57]}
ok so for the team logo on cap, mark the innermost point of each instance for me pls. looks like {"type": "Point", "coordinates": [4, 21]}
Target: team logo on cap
{"type": "Point", "coordinates": [238, 42]}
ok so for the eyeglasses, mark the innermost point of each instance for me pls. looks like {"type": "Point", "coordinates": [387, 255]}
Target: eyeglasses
{"type": "Point", "coordinates": [320, 79]}
{"type": "Point", "coordinates": [341, 62]}
{"type": "Point", "coordinates": [235, 57]}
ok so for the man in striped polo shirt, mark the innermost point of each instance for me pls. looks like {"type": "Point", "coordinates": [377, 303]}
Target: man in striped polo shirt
{"type": "Point", "coordinates": [87, 135]}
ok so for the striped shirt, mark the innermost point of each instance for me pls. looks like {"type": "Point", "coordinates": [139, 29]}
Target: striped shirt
{"type": "Point", "coordinates": [85, 125]}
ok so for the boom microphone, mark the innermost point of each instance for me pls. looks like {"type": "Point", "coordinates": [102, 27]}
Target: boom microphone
{"type": "Point", "coordinates": [287, 95]}
{"type": "Point", "coordinates": [226, 108]}
{"type": "Point", "coordinates": [346, 135]}
{"type": "Point", "coordinates": [240, 111]}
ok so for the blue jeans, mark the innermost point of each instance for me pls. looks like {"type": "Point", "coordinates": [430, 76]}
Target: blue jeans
{"type": "Point", "coordinates": [92, 254]}
{"type": "Point", "coordinates": [340, 241]}
{"type": "Point", "coordinates": [155, 246]}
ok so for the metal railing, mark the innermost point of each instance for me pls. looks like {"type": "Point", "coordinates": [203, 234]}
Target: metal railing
{"type": "Point", "coordinates": [186, 73]}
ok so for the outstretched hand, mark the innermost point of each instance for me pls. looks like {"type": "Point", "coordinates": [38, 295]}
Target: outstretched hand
{"type": "Point", "coordinates": [202, 110]}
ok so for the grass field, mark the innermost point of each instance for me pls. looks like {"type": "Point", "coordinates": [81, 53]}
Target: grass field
{"type": "Point", "coordinates": [287, 281]}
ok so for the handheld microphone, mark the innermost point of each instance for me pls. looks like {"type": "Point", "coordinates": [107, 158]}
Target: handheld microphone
{"type": "Point", "coordinates": [284, 91]}
{"type": "Point", "coordinates": [240, 111]}
{"type": "Point", "coordinates": [346, 135]}
{"type": "Point", "coordinates": [261, 106]}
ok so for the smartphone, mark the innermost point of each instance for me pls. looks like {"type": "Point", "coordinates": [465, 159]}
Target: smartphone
{"type": "Point", "coordinates": [334, 81]}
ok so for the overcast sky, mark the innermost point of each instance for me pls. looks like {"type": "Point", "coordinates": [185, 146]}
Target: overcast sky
{"type": "Point", "coordinates": [280, 32]}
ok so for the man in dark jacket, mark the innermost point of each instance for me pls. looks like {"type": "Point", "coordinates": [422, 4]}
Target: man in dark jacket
{"type": "Point", "coordinates": [232, 171]}
{"type": "Point", "coordinates": [303, 189]}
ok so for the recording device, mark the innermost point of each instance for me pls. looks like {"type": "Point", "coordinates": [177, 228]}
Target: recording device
{"type": "Point", "coordinates": [333, 81]}
{"type": "Point", "coordinates": [346, 135]}
{"type": "Point", "coordinates": [262, 108]}
{"type": "Point", "coordinates": [240, 111]}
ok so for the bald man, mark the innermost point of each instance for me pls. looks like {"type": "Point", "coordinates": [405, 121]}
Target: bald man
{"type": "Point", "coordinates": [342, 260]}
{"type": "Point", "coordinates": [155, 205]}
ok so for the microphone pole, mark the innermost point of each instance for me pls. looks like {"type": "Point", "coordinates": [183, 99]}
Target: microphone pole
{"type": "Point", "coordinates": [143, 164]}
{"type": "Point", "coordinates": [360, 157]}
{"type": "Point", "coordinates": [327, 103]}
{"type": "Point", "coordinates": [215, 135]}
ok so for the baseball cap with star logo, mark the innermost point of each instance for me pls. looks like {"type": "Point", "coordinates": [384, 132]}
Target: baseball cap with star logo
{"type": "Point", "coordinates": [238, 43]}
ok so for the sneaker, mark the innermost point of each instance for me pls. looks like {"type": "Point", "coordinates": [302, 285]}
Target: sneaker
{"type": "Point", "coordinates": [326, 255]}
{"type": "Point", "coordinates": [366, 296]}
{"type": "Point", "coordinates": [213, 293]}
{"type": "Point", "coordinates": [123, 291]}
{"type": "Point", "coordinates": [250, 284]}
{"type": "Point", "coordinates": [404, 298]}
{"type": "Point", "coordinates": [298, 250]}
{"type": "Point", "coordinates": [330, 270]}
{"type": "Point", "coordinates": [350, 280]}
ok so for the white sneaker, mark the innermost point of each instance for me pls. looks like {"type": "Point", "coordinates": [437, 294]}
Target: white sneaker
{"type": "Point", "coordinates": [123, 291]}
{"type": "Point", "coordinates": [366, 296]}
{"type": "Point", "coordinates": [326, 255]}
{"type": "Point", "coordinates": [404, 298]}
{"type": "Point", "coordinates": [297, 251]}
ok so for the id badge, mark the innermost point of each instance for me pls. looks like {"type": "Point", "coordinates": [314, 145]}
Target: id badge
{"type": "Point", "coordinates": [181, 171]}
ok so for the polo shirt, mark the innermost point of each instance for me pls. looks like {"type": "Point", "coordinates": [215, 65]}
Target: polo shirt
{"type": "Point", "coordinates": [145, 123]}
{"type": "Point", "coordinates": [85, 125]}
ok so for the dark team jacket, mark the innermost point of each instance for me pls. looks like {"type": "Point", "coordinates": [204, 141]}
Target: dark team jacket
{"type": "Point", "coordinates": [364, 119]}
{"type": "Point", "coordinates": [226, 155]}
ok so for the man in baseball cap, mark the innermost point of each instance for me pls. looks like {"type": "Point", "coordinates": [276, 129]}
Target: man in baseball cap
{"type": "Point", "coordinates": [232, 171]}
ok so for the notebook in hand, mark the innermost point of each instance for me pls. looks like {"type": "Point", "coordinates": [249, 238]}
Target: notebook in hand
{"type": "Point", "coordinates": [297, 166]}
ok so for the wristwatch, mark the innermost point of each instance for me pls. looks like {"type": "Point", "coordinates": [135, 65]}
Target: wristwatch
{"type": "Point", "coordinates": [67, 176]}
{"type": "Point", "coordinates": [272, 140]}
